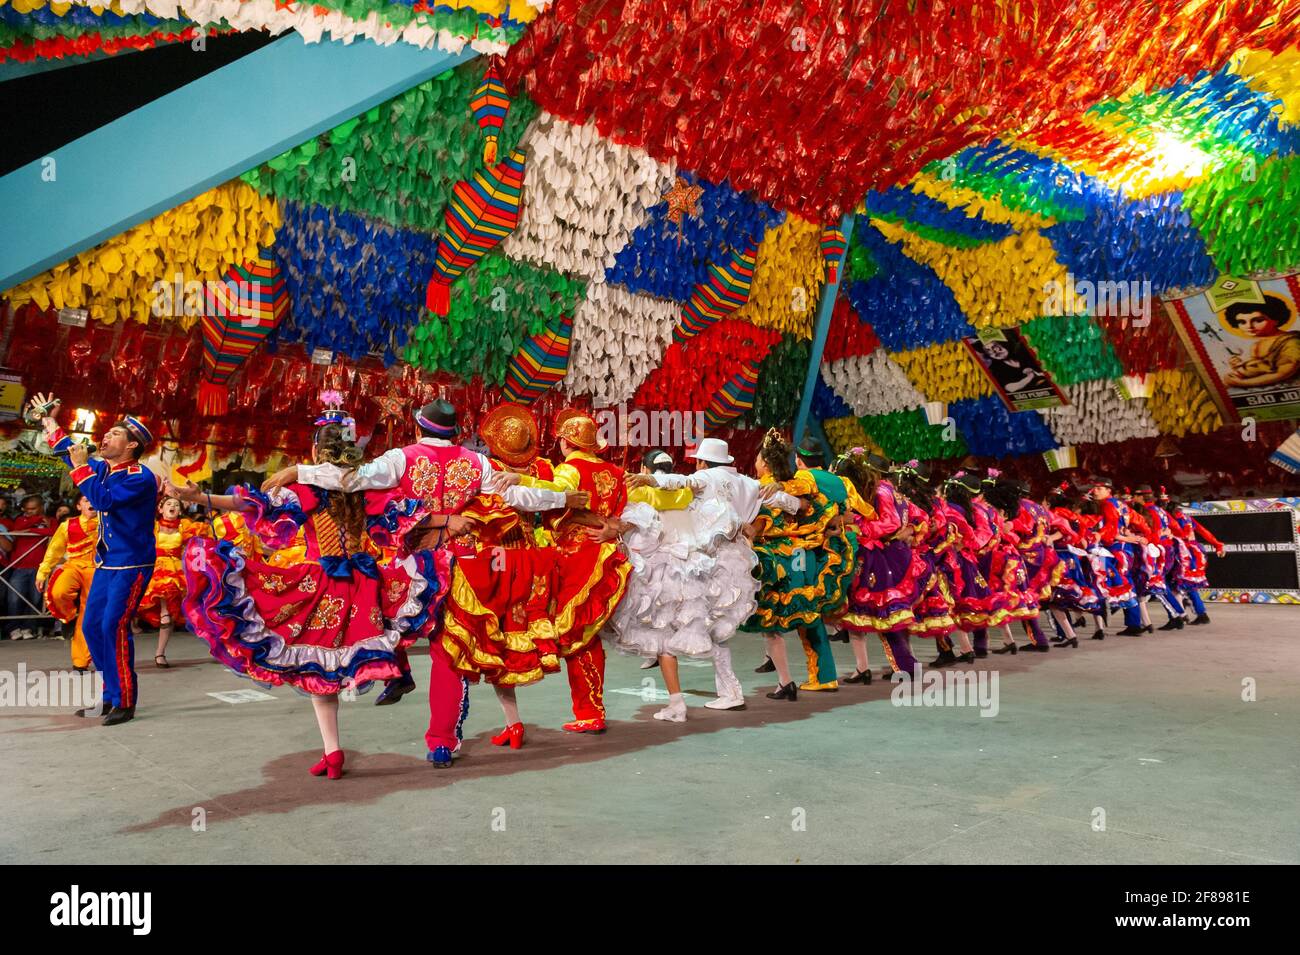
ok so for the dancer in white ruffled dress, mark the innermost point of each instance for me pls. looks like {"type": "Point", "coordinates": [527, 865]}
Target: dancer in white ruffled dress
{"type": "Point", "coordinates": [692, 582]}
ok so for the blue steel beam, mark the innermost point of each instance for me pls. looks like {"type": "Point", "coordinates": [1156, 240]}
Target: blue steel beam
{"type": "Point", "coordinates": [820, 330]}
{"type": "Point", "coordinates": [192, 139]}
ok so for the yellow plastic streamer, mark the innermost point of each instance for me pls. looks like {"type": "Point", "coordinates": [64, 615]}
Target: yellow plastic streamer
{"type": "Point", "coordinates": [944, 372]}
{"type": "Point", "coordinates": [975, 204]}
{"type": "Point", "coordinates": [1179, 404]}
{"type": "Point", "coordinates": [197, 241]}
{"type": "Point", "coordinates": [788, 277]}
{"type": "Point", "coordinates": [996, 284]}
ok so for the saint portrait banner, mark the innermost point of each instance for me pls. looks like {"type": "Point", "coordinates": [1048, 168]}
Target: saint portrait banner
{"type": "Point", "coordinates": [1012, 365]}
{"type": "Point", "coordinates": [1244, 337]}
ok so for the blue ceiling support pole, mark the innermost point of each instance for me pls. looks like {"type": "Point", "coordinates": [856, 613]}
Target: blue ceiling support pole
{"type": "Point", "coordinates": [194, 138]}
{"type": "Point", "coordinates": [820, 330]}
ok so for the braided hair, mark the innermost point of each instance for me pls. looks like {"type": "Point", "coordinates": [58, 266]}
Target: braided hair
{"type": "Point", "coordinates": [334, 445]}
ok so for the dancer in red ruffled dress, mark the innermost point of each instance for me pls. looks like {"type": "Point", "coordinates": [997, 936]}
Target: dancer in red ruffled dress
{"type": "Point", "coordinates": [334, 621]}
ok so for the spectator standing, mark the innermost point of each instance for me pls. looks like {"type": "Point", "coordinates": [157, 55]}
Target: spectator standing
{"type": "Point", "coordinates": [31, 532]}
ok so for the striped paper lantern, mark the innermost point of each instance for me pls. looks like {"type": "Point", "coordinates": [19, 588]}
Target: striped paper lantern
{"type": "Point", "coordinates": [541, 362]}
{"type": "Point", "coordinates": [238, 314]}
{"type": "Point", "coordinates": [733, 399]}
{"type": "Point", "coordinates": [723, 292]}
{"type": "Point", "coordinates": [833, 246]}
{"type": "Point", "coordinates": [490, 104]}
{"type": "Point", "coordinates": [482, 212]}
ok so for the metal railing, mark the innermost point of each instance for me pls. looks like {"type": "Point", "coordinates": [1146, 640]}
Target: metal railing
{"type": "Point", "coordinates": [38, 613]}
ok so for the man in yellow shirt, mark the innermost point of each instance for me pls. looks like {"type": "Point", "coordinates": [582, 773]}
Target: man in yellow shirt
{"type": "Point", "coordinates": [67, 585]}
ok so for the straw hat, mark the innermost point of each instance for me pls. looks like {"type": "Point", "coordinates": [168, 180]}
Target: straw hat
{"type": "Point", "coordinates": [511, 434]}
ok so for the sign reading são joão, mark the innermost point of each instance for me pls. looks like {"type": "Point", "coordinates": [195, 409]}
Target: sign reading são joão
{"type": "Point", "coordinates": [1245, 339]}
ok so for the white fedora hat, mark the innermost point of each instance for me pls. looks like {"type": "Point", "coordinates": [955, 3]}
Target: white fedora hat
{"type": "Point", "coordinates": [713, 450]}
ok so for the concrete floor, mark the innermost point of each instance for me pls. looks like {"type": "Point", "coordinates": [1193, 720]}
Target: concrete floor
{"type": "Point", "coordinates": [1153, 731]}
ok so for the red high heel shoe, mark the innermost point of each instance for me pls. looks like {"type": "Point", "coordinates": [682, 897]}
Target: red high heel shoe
{"type": "Point", "coordinates": [318, 769]}
{"type": "Point", "coordinates": [512, 735]}
{"type": "Point", "coordinates": [334, 764]}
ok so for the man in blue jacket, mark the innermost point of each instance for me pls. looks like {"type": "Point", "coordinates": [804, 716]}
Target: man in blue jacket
{"type": "Point", "coordinates": [125, 494]}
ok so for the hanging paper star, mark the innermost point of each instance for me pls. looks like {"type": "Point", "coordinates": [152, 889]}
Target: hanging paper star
{"type": "Point", "coordinates": [392, 407]}
{"type": "Point", "coordinates": [682, 199]}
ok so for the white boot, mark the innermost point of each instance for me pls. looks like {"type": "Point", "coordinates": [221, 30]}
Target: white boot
{"type": "Point", "coordinates": [675, 711]}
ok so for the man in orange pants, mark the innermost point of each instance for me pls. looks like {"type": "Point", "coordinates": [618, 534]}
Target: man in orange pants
{"type": "Point", "coordinates": [67, 585]}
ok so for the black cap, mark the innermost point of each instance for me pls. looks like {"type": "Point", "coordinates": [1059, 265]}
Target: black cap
{"type": "Point", "coordinates": [1102, 480]}
{"type": "Point", "coordinates": [1143, 489]}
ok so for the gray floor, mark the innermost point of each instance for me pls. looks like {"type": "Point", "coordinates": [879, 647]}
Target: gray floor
{"type": "Point", "coordinates": [1152, 731]}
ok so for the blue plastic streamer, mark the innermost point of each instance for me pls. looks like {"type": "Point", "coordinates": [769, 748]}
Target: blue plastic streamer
{"type": "Point", "coordinates": [906, 303]}
{"type": "Point", "coordinates": [990, 430]}
{"type": "Point", "coordinates": [356, 286]}
{"type": "Point", "coordinates": [915, 207]}
{"type": "Point", "coordinates": [1132, 241]}
{"type": "Point", "coordinates": [662, 261]}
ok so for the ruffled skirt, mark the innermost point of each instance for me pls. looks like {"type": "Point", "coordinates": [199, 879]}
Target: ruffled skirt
{"type": "Point", "coordinates": [935, 612]}
{"type": "Point", "coordinates": [1189, 572]}
{"type": "Point", "coordinates": [889, 584]}
{"type": "Point", "coordinates": [166, 589]}
{"type": "Point", "coordinates": [1075, 590]}
{"type": "Point", "coordinates": [496, 622]}
{"type": "Point", "coordinates": [590, 580]}
{"type": "Point", "coordinates": [976, 605]}
{"type": "Point", "coordinates": [298, 625]}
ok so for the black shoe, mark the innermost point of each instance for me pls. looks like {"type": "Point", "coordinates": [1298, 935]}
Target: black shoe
{"type": "Point", "coordinates": [1149, 628]}
{"type": "Point", "coordinates": [1035, 648]}
{"type": "Point", "coordinates": [981, 652]}
{"type": "Point", "coordinates": [1175, 623]}
{"type": "Point", "coordinates": [119, 714]}
{"type": "Point", "coordinates": [394, 691]}
{"type": "Point", "coordinates": [946, 658]}
{"type": "Point", "coordinates": [1099, 635]}
{"type": "Point", "coordinates": [1201, 620]}
{"type": "Point", "coordinates": [967, 657]}
{"type": "Point", "coordinates": [767, 666]}
{"type": "Point", "coordinates": [887, 674]}
{"type": "Point", "coordinates": [842, 636]}
{"type": "Point", "coordinates": [1077, 623]}
{"type": "Point", "coordinates": [1010, 648]}
{"type": "Point", "coordinates": [1072, 642]}
{"type": "Point", "coordinates": [788, 692]}
{"type": "Point", "coordinates": [1132, 632]}
{"type": "Point", "coordinates": [858, 676]}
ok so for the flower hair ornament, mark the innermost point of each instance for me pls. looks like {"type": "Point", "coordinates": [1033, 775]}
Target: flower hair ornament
{"type": "Point", "coordinates": [335, 414]}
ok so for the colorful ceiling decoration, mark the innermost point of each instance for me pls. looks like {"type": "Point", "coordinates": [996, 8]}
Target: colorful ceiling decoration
{"type": "Point", "coordinates": [47, 30]}
{"type": "Point", "coordinates": [487, 26]}
{"type": "Point", "coordinates": [1007, 167]}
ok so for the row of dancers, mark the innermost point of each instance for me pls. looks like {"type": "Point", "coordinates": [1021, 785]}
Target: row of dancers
{"type": "Point", "coordinates": [513, 568]}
